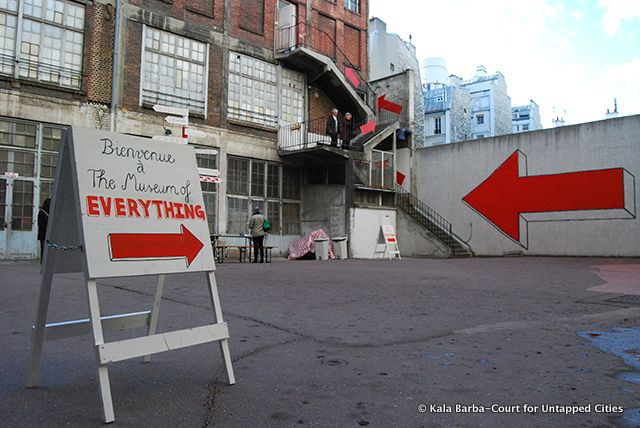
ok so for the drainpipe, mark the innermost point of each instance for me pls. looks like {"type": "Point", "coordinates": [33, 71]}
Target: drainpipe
{"type": "Point", "coordinates": [114, 71]}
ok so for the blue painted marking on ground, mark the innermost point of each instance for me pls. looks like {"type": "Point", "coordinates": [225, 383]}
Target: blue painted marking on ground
{"type": "Point", "coordinates": [631, 417]}
{"type": "Point", "coordinates": [625, 343]}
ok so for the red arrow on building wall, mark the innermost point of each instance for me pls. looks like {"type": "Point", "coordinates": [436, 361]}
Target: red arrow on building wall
{"type": "Point", "coordinates": [352, 76]}
{"type": "Point", "coordinates": [384, 104]}
{"type": "Point", "coordinates": [506, 198]}
{"type": "Point", "coordinates": [368, 127]}
{"type": "Point", "coordinates": [154, 246]}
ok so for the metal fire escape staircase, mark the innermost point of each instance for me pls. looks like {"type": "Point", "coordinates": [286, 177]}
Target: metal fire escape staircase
{"type": "Point", "coordinates": [311, 50]}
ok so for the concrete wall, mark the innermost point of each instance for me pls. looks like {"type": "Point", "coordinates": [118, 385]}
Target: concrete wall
{"type": "Point", "coordinates": [415, 241]}
{"type": "Point", "coordinates": [449, 173]}
{"type": "Point", "coordinates": [366, 237]}
{"type": "Point", "coordinates": [323, 207]}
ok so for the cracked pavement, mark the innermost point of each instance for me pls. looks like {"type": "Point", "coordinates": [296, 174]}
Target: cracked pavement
{"type": "Point", "coordinates": [333, 344]}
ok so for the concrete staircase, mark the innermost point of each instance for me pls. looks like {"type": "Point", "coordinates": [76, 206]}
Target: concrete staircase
{"type": "Point", "coordinates": [433, 222]}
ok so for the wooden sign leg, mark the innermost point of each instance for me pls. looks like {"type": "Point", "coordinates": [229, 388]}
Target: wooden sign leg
{"type": "Point", "coordinates": [103, 373]}
{"type": "Point", "coordinates": [41, 319]}
{"type": "Point", "coordinates": [153, 321]}
{"type": "Point", "coordinates": [217, 311]}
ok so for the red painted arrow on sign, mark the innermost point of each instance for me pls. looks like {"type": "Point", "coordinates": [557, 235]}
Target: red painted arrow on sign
{"type": "Point", "coordinates": [505, 195]}
{"type": "Point", "coordinates": [153, 246]}
{"type": "Point", "coordinates": [368, 127]}
{"type": "Point", "coordinates": [384, 104]}
{"type": "Point", "coordinates": [352, 76]}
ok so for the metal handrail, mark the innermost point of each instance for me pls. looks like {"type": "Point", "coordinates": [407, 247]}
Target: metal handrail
{"type": "Point", "coordinates": [296, 35]}
{"type": "Point", "coordinates": [436, 224]}
{"type": "Point", "coordinates": [300, 135]}
{"type": "Point", "coordinates": [412, 205]}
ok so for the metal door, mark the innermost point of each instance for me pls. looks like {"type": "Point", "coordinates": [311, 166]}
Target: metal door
{"type": "Point", "coordinates": [28, 159]}
{"type": "Point", "coordinates": [286, 26]}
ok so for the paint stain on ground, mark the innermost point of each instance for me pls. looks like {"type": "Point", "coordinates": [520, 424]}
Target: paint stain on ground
{"type": "Point", "coordinates": [622, 342]}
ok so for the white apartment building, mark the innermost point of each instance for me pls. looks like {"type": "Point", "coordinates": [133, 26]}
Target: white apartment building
{"type": "Point", "coordinates": [526, 118]}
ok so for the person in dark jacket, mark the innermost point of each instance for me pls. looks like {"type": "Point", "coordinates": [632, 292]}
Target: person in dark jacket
{"type": "Point", "coordinates": [348, 130]}
{"type": "Point", "coordinates": [334, 127]}
{"type": "Point", "coordinates": [43, 218]}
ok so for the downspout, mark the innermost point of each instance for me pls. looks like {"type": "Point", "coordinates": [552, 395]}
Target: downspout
{"type": "Point", "coordinates": [114, 71]}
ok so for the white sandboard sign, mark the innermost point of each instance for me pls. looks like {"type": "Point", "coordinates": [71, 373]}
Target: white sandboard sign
{"type": "Point", "coordinates": [125, 206]}
{"type": "Point", "coordinates": [139, 216]}
{"type": "Point", "coordinates": [390, 241]}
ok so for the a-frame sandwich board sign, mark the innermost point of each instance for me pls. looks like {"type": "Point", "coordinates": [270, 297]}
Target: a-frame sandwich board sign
{"type": "Point", "coordinates": [126, 206]}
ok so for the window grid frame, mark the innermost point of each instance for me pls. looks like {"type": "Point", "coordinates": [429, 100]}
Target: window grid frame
{"type": "Point", "coordinates": [260, 200]}
{"type": "Point", "coordinates": [158, 94]}
{"type": "Point", "coordinates": [33, 65]}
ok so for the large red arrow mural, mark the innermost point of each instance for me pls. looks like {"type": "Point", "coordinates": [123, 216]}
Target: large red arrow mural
{"type": "Point", "coordinates": [506, 198]}
{"type": "Point", "coordinates": [384, 104]}
{"type": "Point", "coordinates": [154, 246]}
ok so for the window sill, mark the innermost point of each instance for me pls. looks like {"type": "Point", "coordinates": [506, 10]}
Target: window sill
{"type": "Point", "coordinates": [192, 115]}
{"type": "Point", "coordinates": [252, 125]}
{"type": "Point", "coordinates": [16, 83]}
{"type": "Point", "coordinates": [248, 30]}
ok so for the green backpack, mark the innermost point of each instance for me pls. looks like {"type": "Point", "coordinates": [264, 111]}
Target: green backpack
{"type": "Point", "coordinates": [266, 226]}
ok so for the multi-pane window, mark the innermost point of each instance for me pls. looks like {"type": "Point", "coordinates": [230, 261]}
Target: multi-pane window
{"type": "Point", "coordinates": [290, 183]}
{"type": "Point", "coordinates": [273, 180]}
{"type": "Point", "coordinates": [480, 119]}
{"type": "Point", "coordinates": [352, 5]}
{"type": "Point", "coordinates": [50, 42]}
{"type": "Point", "coordinates": [292, 91]}
{"type": "Point", "coordinates": [209, 190]}
{"type": "Point", "coordinates": [238, 176]}
{"type": "Point", "coordinates": [381, 169]}
{"type": "Point", "coordinates": [267, 182]}
{"type": "Point", "coordinates": [437, 125]}
{"type": "Point", "coordinates": [257, 179]}
{"type": "Point", "coordinates": [174, 71]}
{"type": "Point", "coordinates": [22, 205]}
{"type": "Point", "coordinates": [253, 91]}
{"type": "Point", "coordinates": [48, 159]}
{"type": "Point", "coordinates": [29, 151]}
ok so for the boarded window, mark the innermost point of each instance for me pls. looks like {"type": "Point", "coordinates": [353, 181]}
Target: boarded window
{"type": "Point", "coordinates": [252, 16]}
{"type": "Point", "coordinates": [352, 45]}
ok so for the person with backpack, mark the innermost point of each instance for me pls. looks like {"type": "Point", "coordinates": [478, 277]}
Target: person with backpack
{"type": "Point", "coordinates": [256, 225]}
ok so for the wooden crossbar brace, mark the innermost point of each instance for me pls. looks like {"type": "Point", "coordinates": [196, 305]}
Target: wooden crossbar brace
{"type": "Point", "coordinates": [119, 322]}
{"type": "Point", "coordinates": [146, 345]}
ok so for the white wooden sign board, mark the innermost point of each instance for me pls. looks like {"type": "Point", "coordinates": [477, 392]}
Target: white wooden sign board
{"type": "Point", "coordinates": [126, 206]}
{"type": "Point", "coordinates": [390, 240]}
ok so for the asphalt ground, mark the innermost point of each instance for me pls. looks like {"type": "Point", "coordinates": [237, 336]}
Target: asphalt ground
{"type": "Point", "coordinates": [406, 343]}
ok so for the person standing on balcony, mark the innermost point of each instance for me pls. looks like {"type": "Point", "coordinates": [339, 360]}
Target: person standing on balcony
{"type": "Point", "coordinates": [333, 127]}
{"type": "Point", "coordinates": [348, 130]}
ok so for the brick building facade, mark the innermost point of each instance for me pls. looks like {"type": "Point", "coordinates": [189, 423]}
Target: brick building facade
{"type": "Point", "coordinates": [243, 68]}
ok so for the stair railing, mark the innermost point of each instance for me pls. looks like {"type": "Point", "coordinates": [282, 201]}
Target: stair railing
{"type": "Point", "coordinates": [426, 216]}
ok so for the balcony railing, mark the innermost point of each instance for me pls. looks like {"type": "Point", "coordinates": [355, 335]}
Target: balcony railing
{"type": "Point", "coordinates": [41, 71]}
{"type": "Point", "coordinates": [312, 133]}
{"type": "Point", "coordinates": [309, 36]}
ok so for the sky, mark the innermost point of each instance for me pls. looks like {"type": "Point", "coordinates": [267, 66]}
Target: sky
{"type": "Point", "coordinates": [572, 57]}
